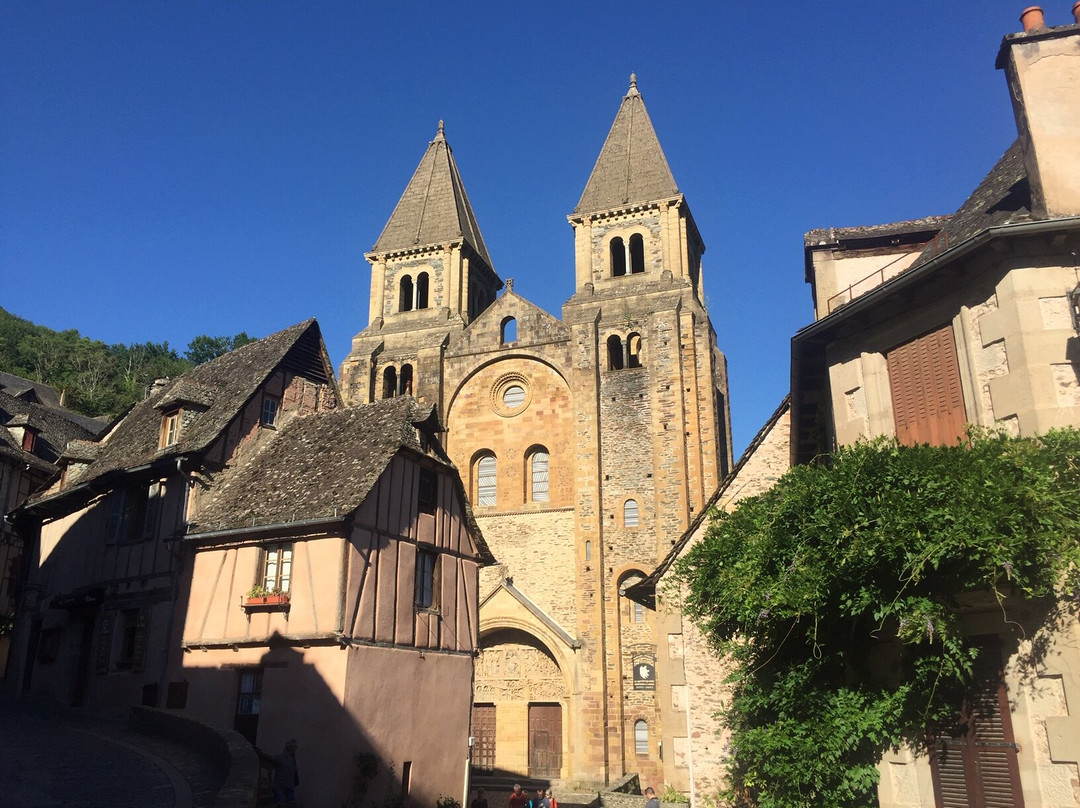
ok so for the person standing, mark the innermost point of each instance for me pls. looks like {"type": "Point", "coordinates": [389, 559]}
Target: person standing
{"type": "Point", "coordinates": [517, 798]}
{"type": "Point", "coordinates": [651, 800]}
{"type": "Point", "coordinates": [480, 801]}
{"type": "Point", "coordinates": [286, 775]}
{"type": "Point", "coordinates": [551, 803]}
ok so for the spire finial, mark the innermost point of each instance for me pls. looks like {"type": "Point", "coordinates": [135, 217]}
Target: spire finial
{"type": "Point", "coordinates": [633, 85]}
{"type": "Point", "coordinates": [441, 134]}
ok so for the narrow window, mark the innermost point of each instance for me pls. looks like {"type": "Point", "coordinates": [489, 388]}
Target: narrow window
{"type": "Point", "coordinates": [539, 475]}
{"type": "Point", "coordinates": [615, 352]}
{"type": "Point", "coordinates": [269, 410]}
{"type": "Point", "coordinates": [427, 493]}
{"type": "Point", "coordinates": [618, 258]}
{"type": "Point", "coordinates": [389, 382]}
{"type": "Point", "coordinates": [485, 480]}
{"type": "Point", "coordinates": [637, 254]}
{"type": "Point", "coordinates": [422, 290]}
{"type": "Point", "coordinates": [639, 613]}
{"type": "Point", "coordinates": [641, 737]}
{"type": "Point", "coordinates": [405, 297]}
{"type": "Point", "coordinates": [405, 381]}
{"type": "Point", "coordinates": [508, 331]}
{"type": "Point", "coordinates": [633, 351]}
{"type": "Point", "coordinates": [153, 510]}
{"type": "Point", "coordinates": [427, 565]}
{"type": "Point", "coordinates": [630, 513]}
{"type": "Point", "coordinates": [133, 623]}
{"type": "Point", "coordinates": [588, 551]}
{"type": "Point", "coordinates": [248, 703]}
{"type": "Point", "coordinates": [170, 428]}
{"type": "Point", "coordinates": [277, 569]}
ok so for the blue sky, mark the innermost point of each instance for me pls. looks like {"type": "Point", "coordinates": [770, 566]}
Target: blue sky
{"type": "Point", "coordinates": [169, 169]}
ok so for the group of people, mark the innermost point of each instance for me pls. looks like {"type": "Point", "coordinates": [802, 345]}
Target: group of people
{"type": "Point", "coordinates": [519, 799]}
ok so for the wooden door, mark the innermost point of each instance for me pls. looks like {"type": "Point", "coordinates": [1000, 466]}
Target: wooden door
{"type": "Point", "coordinates": [927, 399]}
{"type": "Point", "coordinates": [483, 732]}
{"type": "Point", "coordinates": [974, 763]}
{"type": "Point", "coordinates": [545, 740]}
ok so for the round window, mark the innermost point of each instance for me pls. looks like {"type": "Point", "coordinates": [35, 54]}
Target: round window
{"type": "Point", "coordinates": [513, 396]}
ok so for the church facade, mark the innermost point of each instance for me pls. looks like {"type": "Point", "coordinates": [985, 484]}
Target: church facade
{"type": "Point", "coordinates": [587, 442]}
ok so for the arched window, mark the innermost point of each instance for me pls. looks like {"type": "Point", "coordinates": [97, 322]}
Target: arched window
{"type": "Point", "coordinates": [633, 350]}
{"type": "Point", "coordinates": [405, 296]}
{"type": "Point", "coordinates": [615, 352]}
{"type": "Point", "coordinates": [405, 381]}
{"type": "Point", "coordinates": [485, 480]}
{"type": "Point", "coordinates": [641, 737]}
{"type": "Point", "coordinates": [538, 474]}
{"type": "Point", "coordinates": [618, 257]}
{"type": "Point", "coordinates": [588, 551]}
{"type": "Point", "coordinates": [637, 253]}
{"type": "Point", "coordinates": [389, 382]}
{"type": "Point", "coordinates": [630, 513]}
{"type": "Point", "coordinates": [422, 290]}
{"type": "Point", "coordinates": [508, 331]}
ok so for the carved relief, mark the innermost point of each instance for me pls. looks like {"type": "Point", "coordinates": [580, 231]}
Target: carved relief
{"type": "Point", "coordinates": [513, 672]}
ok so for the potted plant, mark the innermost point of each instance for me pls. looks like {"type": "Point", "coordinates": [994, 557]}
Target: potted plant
{"type": "Point", "coordinates": [259, 595]}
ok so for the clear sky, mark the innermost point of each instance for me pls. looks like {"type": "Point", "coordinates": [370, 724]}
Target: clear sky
{"type": "Point", "coordinates": [169, 169]}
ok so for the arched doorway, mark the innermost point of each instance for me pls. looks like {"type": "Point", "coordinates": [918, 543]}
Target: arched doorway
{"type": "Point", "coordinates": [519, 686]}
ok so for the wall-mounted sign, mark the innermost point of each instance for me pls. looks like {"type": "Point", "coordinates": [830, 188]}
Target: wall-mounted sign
{"type": "Point", "coordinates": [644, 673]}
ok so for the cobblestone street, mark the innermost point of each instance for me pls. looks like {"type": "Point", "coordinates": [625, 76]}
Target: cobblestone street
{"type": "Point", "coordinates": [50, 756]}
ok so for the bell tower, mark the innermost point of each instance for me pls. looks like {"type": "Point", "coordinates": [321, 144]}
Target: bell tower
{"type": "Point", "coordinates": [431, 275]}
{"type": "Point", "coordinates": [650, 389]}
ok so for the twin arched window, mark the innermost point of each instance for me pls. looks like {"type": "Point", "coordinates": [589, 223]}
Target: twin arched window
{"type": "Point", "coordinates": [485, 476]}
{"type": "Point", "coordinates": [626, 255]}
{"type": "Point", "coordinates": [395, 384]}
{"type": "Point", "coordinates": [624, 354]}
{"type": "Point", "coordinates": [413, 295]}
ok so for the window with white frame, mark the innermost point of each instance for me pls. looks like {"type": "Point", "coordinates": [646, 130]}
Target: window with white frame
{"type": "Point", "coordinates": [277, 568]}
{"type": "Point", "coordinates": [270, 410]}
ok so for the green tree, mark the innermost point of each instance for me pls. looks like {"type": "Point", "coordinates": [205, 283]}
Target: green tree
{"type": "Point", "coordinates": [204, 348]}
{"type": "Point", "coordinates": [861, 558]}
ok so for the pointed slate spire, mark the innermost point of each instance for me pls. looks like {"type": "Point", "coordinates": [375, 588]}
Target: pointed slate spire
{"type": "Point", "coordinates": [434, 208]}
{"type": "Point", "coordinates": [631, 167]}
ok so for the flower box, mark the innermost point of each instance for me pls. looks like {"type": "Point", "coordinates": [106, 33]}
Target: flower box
{"type": "Point", "coordinates": [281, 600]}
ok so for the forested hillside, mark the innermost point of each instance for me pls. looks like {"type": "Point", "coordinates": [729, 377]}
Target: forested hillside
{"type": "Point", "coordinates": [95, 378]}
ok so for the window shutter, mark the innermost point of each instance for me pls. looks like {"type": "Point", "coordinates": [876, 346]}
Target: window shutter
{"type": "Point", "coordinates": [927, 399]}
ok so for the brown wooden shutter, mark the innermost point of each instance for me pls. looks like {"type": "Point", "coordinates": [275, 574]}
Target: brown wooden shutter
{"type": "Point", "coordinates": [974, 765]}
{"type": "Point", "coordinates": [924, 379]}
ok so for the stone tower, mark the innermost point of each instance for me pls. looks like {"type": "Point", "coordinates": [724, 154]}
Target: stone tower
{"type": "Point", "coordinates": [430, 276]}
{"type": "Point", "coordinates": [588, 443]}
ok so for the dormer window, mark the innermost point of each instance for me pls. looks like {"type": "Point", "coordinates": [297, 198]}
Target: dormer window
{"type": "Point", "coordinates": [29, 439]}
{"type": "Point", "coordinates": [170, 428]}
{"type": "Point", "coordinates": [270, 411]}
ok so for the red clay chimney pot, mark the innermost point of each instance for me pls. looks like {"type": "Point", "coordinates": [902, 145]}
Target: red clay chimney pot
{"type": "Point", "coordinates": [1032, 19]}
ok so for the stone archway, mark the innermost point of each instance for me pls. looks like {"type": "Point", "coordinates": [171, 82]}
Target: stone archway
{"type": "Point", "coordinates": [520, 696]}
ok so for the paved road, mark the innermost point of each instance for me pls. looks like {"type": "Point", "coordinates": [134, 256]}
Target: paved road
{"type": "Point", "coordinates": [51, 757]}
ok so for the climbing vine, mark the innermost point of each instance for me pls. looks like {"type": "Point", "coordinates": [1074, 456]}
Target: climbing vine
{"type": "Point", "coordinates": [835, 597]}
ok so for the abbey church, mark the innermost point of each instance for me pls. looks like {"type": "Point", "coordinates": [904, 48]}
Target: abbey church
{"type": "Point", "coordinates": [587, 444]}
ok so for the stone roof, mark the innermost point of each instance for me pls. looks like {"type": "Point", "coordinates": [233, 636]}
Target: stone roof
{"type": "Point", "coordinates": [434, 208]}
{"type": "Point", "coordinates": [29, 390]}
{"type": "Point", "coordinates": [224, 385]}
{"type": "Point", "coordinates": [55, 426]}
{"type": "Point", "coordinates": [1003, 197]}
{"type": "Point", "coordinates": [829, 236]}
{"type": "Point", "coordinates": [319, 466]}
{"type": "Point", "coordinates": [631, 167]}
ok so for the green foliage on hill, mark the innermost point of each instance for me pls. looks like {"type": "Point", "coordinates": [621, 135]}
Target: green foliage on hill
{"type": "Point", "coordinates": [97, 379]}
{"type": "Point", "coordinates": [861, 559]}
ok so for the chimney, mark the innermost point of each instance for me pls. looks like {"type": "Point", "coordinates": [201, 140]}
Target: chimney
{"type": "Point", "coordinates": [1042, 66]}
